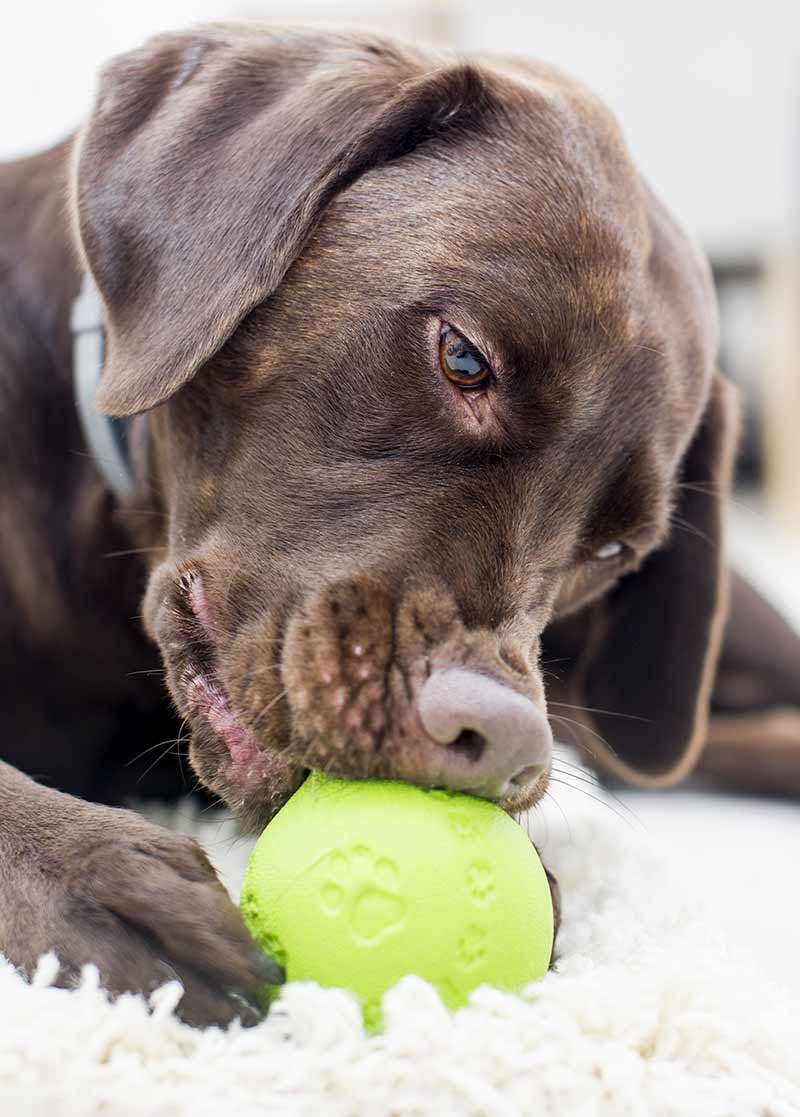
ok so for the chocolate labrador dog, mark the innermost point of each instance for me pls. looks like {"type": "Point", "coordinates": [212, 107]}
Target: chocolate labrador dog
{"type": "Point", "coordinates": [417, 381]}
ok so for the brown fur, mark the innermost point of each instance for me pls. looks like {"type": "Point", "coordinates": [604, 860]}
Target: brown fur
{"type": "Point", "coordinates": [276, 219]}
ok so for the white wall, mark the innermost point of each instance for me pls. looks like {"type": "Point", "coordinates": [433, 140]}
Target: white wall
{"type": "Point", "coordinates": [50, 50]}
{"type": "Point", "coordinates": [708, 91]}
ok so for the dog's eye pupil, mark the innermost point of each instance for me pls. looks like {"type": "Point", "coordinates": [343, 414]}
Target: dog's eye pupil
{"type": "Point", "coordinates": [461, 362]}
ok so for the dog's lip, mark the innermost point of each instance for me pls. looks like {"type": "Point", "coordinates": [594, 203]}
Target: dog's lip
{"type": "Point", "coordinates": [204, 692]}
{"type": "Point", "coordinates": [206, 695]}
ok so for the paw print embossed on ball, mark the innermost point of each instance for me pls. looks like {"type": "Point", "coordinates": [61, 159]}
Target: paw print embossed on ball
{"type": "Point", "coordinates": [462, 825]}
{"type": "Point", "coordinates": [471, 947]}
{"type": "Point", "coordinates": [461, 821]}
{"type": "Point", "coordinates": [480, 882]}
{"type": "Point", "coordinates": [357, 884]}
{"type": "Point", "coordinates": [363, 887]}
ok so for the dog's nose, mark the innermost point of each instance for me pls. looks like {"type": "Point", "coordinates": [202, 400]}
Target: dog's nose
{"type": "Point", "coordinates": [490, 737]}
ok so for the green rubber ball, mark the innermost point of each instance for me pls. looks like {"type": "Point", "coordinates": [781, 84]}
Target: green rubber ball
{"type": "Point", "coordinates": [358, 883]}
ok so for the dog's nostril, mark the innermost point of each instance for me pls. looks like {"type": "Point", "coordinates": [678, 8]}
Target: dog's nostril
{"type": "Point", "coordinates": [468, 744]}
{"type": "Point", "coordinates": [526, 775]}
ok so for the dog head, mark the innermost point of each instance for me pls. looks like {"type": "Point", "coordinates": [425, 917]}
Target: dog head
{"type": "Point", "coordinates": [423, 373]}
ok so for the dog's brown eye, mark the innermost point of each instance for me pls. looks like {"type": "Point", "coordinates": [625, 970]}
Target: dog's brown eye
{"type": "Point", "coordinates": [461, 362]}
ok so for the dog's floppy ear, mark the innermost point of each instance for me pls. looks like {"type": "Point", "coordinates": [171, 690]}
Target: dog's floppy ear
{"type": "Point", "coordinates": [643, 659]}
{"type": "Point", "coordinates": [205, 165]}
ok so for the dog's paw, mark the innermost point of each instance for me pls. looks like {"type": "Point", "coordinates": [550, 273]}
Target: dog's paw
{"type": "Point", "coordinates": [145, 906]}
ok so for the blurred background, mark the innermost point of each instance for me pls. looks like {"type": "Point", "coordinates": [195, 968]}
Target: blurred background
{"type": "Point", "coordinates": [708, 95]}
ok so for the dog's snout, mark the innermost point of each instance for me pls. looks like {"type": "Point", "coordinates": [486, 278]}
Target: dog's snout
{"type": "Point", "coordinates": [489, 736]}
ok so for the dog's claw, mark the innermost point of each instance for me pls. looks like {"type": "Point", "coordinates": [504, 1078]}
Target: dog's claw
{"type": "Point", "coordinates": [268, 969]}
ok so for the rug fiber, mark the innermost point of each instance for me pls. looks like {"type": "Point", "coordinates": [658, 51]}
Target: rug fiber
{"type": "Point", "coordinates": [649, 1012]}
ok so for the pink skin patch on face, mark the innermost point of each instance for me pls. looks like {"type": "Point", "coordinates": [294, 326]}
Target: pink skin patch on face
{"type": "Point", "coordinates": [199, 604]}
{"type": "Point", "coordinates": [249, 764]}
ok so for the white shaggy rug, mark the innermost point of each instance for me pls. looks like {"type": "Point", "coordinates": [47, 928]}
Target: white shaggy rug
{"type": "Point", "coordinates": [649, 1013]}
